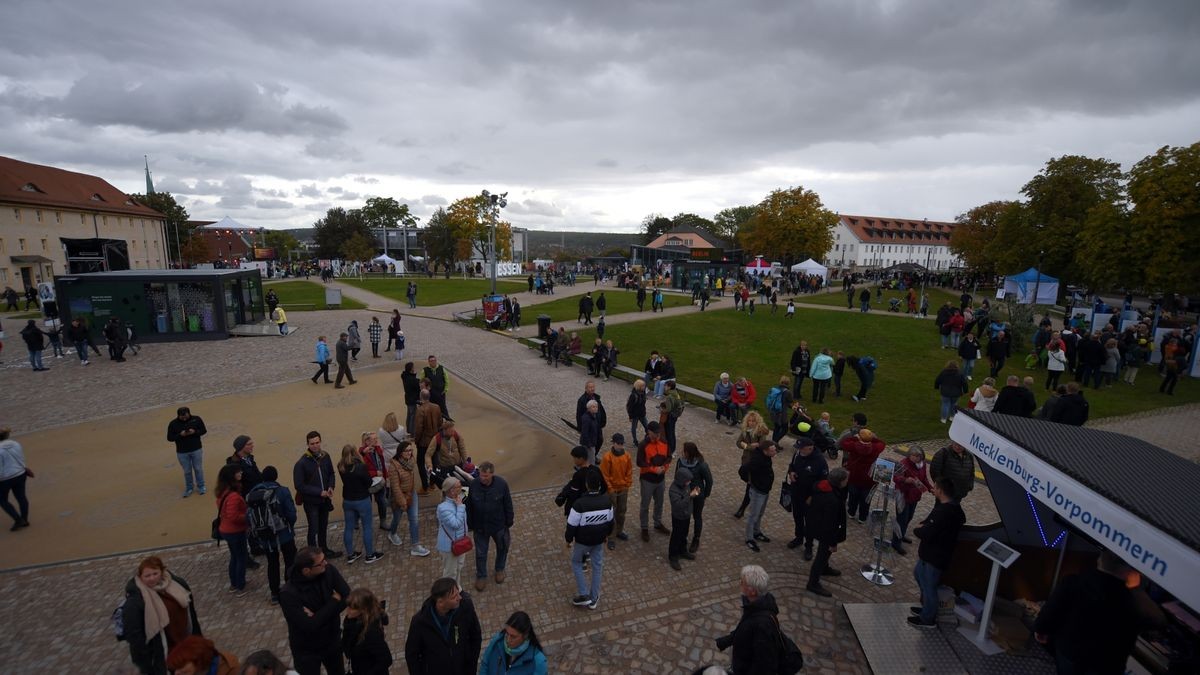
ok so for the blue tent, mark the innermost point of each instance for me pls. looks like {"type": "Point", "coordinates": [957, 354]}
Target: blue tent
{"type": "Point", "coordinates": [1021, 286]}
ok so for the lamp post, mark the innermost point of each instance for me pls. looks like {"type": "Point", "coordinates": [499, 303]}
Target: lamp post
{"type": "Point", "coordinates": [491, 208]}
{"type": "Point", "coordinates": [1037, 284]}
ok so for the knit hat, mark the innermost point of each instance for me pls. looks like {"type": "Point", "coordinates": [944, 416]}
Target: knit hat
{"type": "Point", "coordinates": [803, 442]}
{"type": "Point", "coordinates": [653, 426]}
{"type": "Point", "coordinates": [240, 442]}
{"type": "Point", "coordinates": [619, 439]}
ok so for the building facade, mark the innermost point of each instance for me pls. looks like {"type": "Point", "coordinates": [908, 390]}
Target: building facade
{"type": "Point", "coordinates": [872, 242]}
{"type": "Point", "coordinates": [54, 221]}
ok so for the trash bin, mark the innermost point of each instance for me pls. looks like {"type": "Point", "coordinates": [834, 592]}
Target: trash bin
{"type": "Point", "coordinates": [543, 326]}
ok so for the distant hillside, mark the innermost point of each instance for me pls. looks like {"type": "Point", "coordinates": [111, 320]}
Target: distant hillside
{"type": "Point", "coordinates": [547, 244]}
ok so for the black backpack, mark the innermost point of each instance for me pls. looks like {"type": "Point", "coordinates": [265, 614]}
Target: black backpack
{"type": "Point", "coordinates": [263, 518]}
{"type": "Point", "coordinates": [791, 659]}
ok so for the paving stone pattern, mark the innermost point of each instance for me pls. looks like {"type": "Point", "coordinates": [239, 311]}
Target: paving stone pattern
{"type": "Point", "coordinates": [651, 619]}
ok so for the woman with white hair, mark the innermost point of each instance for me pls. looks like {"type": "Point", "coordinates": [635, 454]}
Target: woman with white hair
{"type": "Point", "coordinates": [452, 525]}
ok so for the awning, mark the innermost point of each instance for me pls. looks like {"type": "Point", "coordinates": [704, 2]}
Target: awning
{"type": "Point", "coordinates": [1129, 496]}
{"type": "Point", "coordinates": [30, 259]}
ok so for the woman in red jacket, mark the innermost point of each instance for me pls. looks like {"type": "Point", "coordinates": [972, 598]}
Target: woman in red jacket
{"type": "Point", "coordinates": [956, 328]}
{"type": "Point", "coordinates": [912, 482]}
{"type": "Point", "coordinates": [231, 508]}
{"type": "Point", "coordinates": [861, 452]}
{"type": "Point", "coordinates": [741, 398]}
{"type": "Point", "coordinates": [376, 461]}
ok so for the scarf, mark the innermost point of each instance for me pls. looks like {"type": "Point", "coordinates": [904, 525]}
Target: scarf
{"type": "Point", "coordinates": [154, 615]}
{"type": "Point", "coordinates": [516, 651]}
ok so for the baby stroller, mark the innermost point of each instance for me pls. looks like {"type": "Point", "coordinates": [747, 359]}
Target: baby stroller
{"type": "Point", "coordinates": [894, 305]}
{"type": "Point", "coordinates": [498, 322]}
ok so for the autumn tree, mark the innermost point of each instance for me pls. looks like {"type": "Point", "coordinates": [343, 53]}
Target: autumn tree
{"type": "Point", "coordinates": [790, 225]}
{"type": "Point", "coordinates": [654, 225]}
{"type": "Point", "coordinates": [386, 213]}
{"type": "Point", "coordinates": [471, 219]}
{"type": "Point", "coordinates": [977, 229]}
{"type": "Point", "coordinates": [282, 241]}
{"type": "Point", "coordinates": [336, 228]}
{"type": "Point", "coordinates": [176, 217]}
{"type": "Point", "coordinates": [195, 250]}
{"type": "Point", "coordinates": [1059, 201]}
{"type": "Point", "coordinates": [728, 222]}
{"type": "Point", "coordinates": [1165, 222]}
{"type": "Point", "coordinates": [358, 247]}
{"type": "Point", "coordinates": [1104, 252]}
{"type": "Point", "coordinates": [438, 239]}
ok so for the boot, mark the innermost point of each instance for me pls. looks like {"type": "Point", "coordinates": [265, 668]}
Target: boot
{"type": "Point", "coordinates": [740, 512]}
{"type": "Point", "coordinates": [675, 564]}
{"type": "Point", "coordinates": [695, 545]}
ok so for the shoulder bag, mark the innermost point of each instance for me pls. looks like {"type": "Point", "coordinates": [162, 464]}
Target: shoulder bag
{"type": "Point", "coordinates": [216, 523]}
{"type": "Point", "coordinates": [460, 545]}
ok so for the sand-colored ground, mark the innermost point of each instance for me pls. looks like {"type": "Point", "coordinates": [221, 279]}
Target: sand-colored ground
{"type": "Point", "coordinates": [114, 485]}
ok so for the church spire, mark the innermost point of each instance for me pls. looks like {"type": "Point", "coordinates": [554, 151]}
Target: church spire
{"type": "Point", "coordinates": [149, 183]}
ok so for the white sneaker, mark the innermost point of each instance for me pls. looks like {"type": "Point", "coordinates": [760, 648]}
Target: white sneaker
{"type": "Point", "coordinates": [418, 551]}
{"type": "Point", "coordinates": [396, 539]}
{"type": "Point", "coordinates": [943, 420]}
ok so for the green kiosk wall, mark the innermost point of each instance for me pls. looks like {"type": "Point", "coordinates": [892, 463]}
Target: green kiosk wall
{"type": "Point", "coordinates": [164, 305]}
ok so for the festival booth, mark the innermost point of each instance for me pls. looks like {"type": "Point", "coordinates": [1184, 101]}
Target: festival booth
{"type": "Point", "coordinates": [811, 267]}
{"type": "Point", "coordinates": [1062, 493]}
{"type": "Point", "coordinates": [1021, 287]}
{"type": "Point", "coordinates": [391, 263]}
{"type": "Point", "coordinates": [760, 267]}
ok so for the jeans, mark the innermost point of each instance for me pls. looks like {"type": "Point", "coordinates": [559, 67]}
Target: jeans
{"type": "Point", "coordinates": [35, 359]}
{"type": "Point", "coordinates": [414, 532]}
{"type": "Point", "coordinates": [670, 433]}
{"type": "Point", "coordinates": [954, 339]}
{"type": "Point", "coordinates": [866, 305]}
{"type": "Point", "coordinates": [56, 345]}
{"type": "Point", "coordinates": [798, 386]}
{"type": "Point", "coordinates": [382, 506]}
{"type": "Point", "coordinates": [819, 388]}
{"type": "Point", "coordinates": [193, 465]}
{"type": "Point", "coordinates": [596, 554]}
{"type": "Point", "coordinates": [651, 491]}
{"type": "Point", "coordinates": [927, 577]}
{"type": "Point", "coordinates": [758, 503]}
{"type": "Point", "coordinates": [238, 556]}
{"type": "Point", "coordinates": [661, 386]}
{"type": "Point", "coordinates": [16, 485]}
{"type": "Point", "coordinates": [679, 537]}
{"type": "Point", "coordinates": [283, 329]}
{"type": "Point", "coordinates": [288, 548]}
{"type": "Point", "coordinates": [81, 350]}
{"type": "Point", "coordinates": [482, 539]}
{"type": "Point", "coordinates": [858, 502]}
{"type": "Point", "coordinates": [358, 513]}
{"type": "Point", "coordinates": [317, 517]}
{"type": "Point", "coordinates": [968, 367]}
{"type": "Point", "coordinates": [948, 407]}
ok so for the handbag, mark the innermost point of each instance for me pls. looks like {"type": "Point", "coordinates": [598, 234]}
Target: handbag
{"type": "Point", "coordinates": [461, 545]}
{"type": "Point", "coordinates": [216, 523]}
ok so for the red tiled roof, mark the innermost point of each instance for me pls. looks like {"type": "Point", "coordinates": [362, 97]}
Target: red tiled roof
{"type": "Point", "coordinates": [877, 230]}
{"type": "Point", "coordinates": [37, 185]}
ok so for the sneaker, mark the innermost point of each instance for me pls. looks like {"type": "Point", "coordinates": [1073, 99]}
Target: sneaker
{"type": "Point", "coordinates": [187, 493]}
{"type": "Point", "coordinates": [623, 537]}
{"type": "Point", "coordinates": [820, 590]}
{"type": "Point", "coordinates": [239, 592]}
{"type": "Point", "coordinates": [942, 420]}
{"type": "Point", "coordinates": [853, 397]}
{"type": "Point", "coordinates": [595, 602]}
{"type": "Point", "coordinates": [274, 599]}
{"type": "Point", "coordinates": [581, 601]}
{"type": "Point", "coordinates": [915, 610]}
{"type": "Point", "coordinates": [396, 539]}
{"type": "Point", "coordinates": [373, 558]}
{"type": "Point", "coordinates": [762, 537]}
{"type": "Point", "coordinates": [87, 363]}
{"type": "Point", "coordinates": [353, 557]}
{"type": "Point", "coordinates": [418, 551]}
{"type": "Point", "coordinates": [795, 543]}
{"type": "Point", "coordinates": [203, 490]}
{"type": "Point", "coordinates": [916, 621]}
{"type": "Point", "coordinates": [752, 545]}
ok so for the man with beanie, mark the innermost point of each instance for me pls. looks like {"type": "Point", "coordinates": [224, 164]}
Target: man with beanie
{"type": "Point", "coordinates": [680, 494]}
{"type": "Point", "coordinates": [653, 459]}
{"type": "Point", "coordinates": [807, 468]}
{"type": "Point", "coordinates": [285, 537]}
{"type": "Point", "coordinates": [827, 523]}
{"type": "Point", "coordinates": [243, 457]}
{"type": "Point", "coordinates": [617, 468]}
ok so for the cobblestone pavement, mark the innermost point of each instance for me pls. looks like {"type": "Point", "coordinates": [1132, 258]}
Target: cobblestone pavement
{"type": "Point", "coordinates": [651, 619]}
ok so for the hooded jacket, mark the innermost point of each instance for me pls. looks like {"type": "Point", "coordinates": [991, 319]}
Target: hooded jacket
{"type": "Point", "coordinates": [809, 470]}
{"type": "Point", "coordinates": [617, 470]}
{"type": "Point", "coordinates": [681, 500]}
{"type": "Point", "coordinates": [826, 516]}
{"type": "Point", "coordinates": [860, 458]}
{"type": "Point", "coordinates": [756, 643]}
{"type": "Point", "coordinates": [430, 650]}
{"type": "Point", "coordinates": [495, 662]}
{"type": "Point", "coordinates": [984, 397]}
{"type": "Point", "coordinates": [320, 633]}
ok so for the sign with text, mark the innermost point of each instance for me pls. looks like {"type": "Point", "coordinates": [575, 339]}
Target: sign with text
{"type": "Point", "coordinates": [711, 254]}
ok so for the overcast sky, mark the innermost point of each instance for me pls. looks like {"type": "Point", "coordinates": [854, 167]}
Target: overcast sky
{"type": "Point", "coordinates": [592, 114]}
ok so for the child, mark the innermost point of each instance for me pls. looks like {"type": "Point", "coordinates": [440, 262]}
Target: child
{"type": "Point", "coordinates": [375, 335]}
{"type": "Point", "coordinates": [791, 309]}
{"type": "Point", "coordinates": [399, 345]}
{"type": "Point", "coordinates": [828, 440]}
{"type": "Point", "coordinates": [55, 334]}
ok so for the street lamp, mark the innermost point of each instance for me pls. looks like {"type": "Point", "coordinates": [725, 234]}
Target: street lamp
{"type": "Point", "coordinates": [491, 206]}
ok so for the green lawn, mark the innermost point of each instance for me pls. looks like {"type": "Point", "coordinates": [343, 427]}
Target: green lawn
{"type": "Point", "coordinates": [433, 292]}
{"type": "Point", "coordinates": [902, 405]}
{"type": "Point", "coordinates": [837, 298]}
{"type": "Point", "coordinates": [306, 293]}
{"type": "Point", "coordinates": [618, 302]}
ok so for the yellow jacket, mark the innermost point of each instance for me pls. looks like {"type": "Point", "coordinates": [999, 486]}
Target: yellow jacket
{"type": "Point", "coordinates": [280, 316]}
{"type": "Point", "coordinates": [617, 471]}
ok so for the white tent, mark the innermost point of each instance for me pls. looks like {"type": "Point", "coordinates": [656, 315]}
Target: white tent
{"type": "Point", "coordinates": [386, 259]}
{"type": "Point", "coordinates": [811, 267]}
{"type": "Point", "coordinates": [227, 223]}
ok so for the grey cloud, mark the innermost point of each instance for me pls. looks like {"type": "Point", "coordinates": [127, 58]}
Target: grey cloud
{"type": "Point", "coordinates": [534, 207]}
{"type": "Point", "coordinates": [273, 204]}
{"type": "Point", "coordinates": [334, 190]}
{"type": "Point", "coordinates": [456, 168]}
{"type": "Point", "coordinates": [366, 180]}
{"type": "Point", "coordinates": [434, 200]}
{"type": "Point", "coordinates": [328, 148]}
{"type": "Point", "coordinates": [273, 193]}
{"type": "Point", "coordinates": [607, 163]}
{"type": "Point", "coordinates": [348, 196]}
{"type": "Point", "coordinates": [309, 190]}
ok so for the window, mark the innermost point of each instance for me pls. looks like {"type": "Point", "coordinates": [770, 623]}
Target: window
{"type": "Point", "coordinates": [21, 244]}
{"type": "Point", "coordinates": [38, 213]}
{"type": "Point", "coordinates": [17, 215]}
{"type": "Point", "coordinates": [58, 217]}
{"type": "Point", "coordinates": [43, 245]}
{"type": "Point", "coordinates": [81, 220]}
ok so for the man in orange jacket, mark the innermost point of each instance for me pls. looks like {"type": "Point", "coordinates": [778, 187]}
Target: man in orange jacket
{"type": "Point", "coordinates": [617, 468]}
{"type": "Point", "coordinates": [653, 459]}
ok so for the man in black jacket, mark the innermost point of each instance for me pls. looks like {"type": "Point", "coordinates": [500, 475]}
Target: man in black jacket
{"type": "Point", "coordinates": [79, 336]}
{"type": "Point", "coordinates": [585, 309]}
{"type": "Point", "coordinates": [342, 356]}
{"type": "Point", "coordinates": [591, 435]}
{"type": "Point", "coordinates": [589, 523]}
{"type": "Point", "coordinates": [490, 517]}
{"type": "Point", "coordinates": [1072, 408]}
{"type": "Point", "coordinates": [827, 525]}
{"type": "Point", "coordinates": [755, 641]}
{"type": "Point", "coordinates": [185, 432]}
{"type": "Point", "coordinates": [1091, 620]}
{"type": "Point", "coordinates": [312, 602]}
{"type": "Point", "coordinates": [444, 636]}
{"type": "Point", "coordinates": [801, 362]}
{"type": "Point", "coordinates": [998, 350]}
{"type": "Point", "coordinates": [314, 480]}
{"type": "Point", "coordinates": [1015, 399]}
{"type": "Point", "coordinates": [806, 469]}
{"type": "Point", "coordinates": [938, 534]}
{"type": "Point", "coordinates": [760, 477]}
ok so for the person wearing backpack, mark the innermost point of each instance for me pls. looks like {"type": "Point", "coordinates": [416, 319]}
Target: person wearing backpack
{"type": "Point", "coordinates": [779, 402]}
{"type": "Point", "coordinates": [157, 613]}
{"type": "Point", "coordinates": [271, 515]}
{"type": "Point", "coordinates": [759, 645]}
{"type": "Point", "coordinates": [864, 368]}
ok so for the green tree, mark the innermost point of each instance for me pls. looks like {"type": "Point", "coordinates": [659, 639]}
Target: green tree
{"type": "Point", "coordinates": [691, 220]}
{"type": "Point", "coordinates": [1165, 191]}
{"type": "Point", "coordinates": [471, 219]}
{"type": "Point", "coordinates": [438, 239]}
{"type": "Point", "coordinates": [195, 250]}
{"type": "Point", "coordinates": [1104, 255]}
{"type": "Point", "coordinates": [1060, 198]}
{"type": "Point", "coordinates": [338, 226]}
{"type": "Point", "coordinates": [728, 222]}
{"type": "Point", "coordinates": [971, 240]}
{"type": "Point", "coordinates": [283, 242]}
{"type": "Point", "coordinates": [358, 247]}
{"type": "Point", "coordinates": [790, 225]}
{"type": "Point", "coordinates": [384, 213]}
{"type": "Point", "coordinates": [176, 217]}
{"type": "Point", "coordinates": [654, 225]}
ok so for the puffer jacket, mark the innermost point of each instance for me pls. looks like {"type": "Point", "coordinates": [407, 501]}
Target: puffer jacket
{"type": "Point", "coordinates": [401, 481]}
{"type": "Point", "coordinates": [860, 458]}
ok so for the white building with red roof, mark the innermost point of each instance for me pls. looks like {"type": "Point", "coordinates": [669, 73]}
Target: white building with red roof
{"type": "Point", "coordinates": [874, 242]}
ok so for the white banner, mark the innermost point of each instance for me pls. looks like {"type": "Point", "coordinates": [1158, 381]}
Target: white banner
{"type": "Point", "coordinates": [1157, 555]}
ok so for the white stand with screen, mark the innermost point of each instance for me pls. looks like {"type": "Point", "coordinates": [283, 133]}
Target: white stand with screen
{"type": "Point", "coordinates": [1001, 556]}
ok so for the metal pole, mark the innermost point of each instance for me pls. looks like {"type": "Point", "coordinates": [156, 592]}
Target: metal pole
{"type": "Point", "coordinates": [492, 211]}
{"type": "Point", "coordinates": [404, 236]}
{"type": "Point", "coordinates": [981, 637]}
{"type": "Point", "coordinates": [1061, 554]}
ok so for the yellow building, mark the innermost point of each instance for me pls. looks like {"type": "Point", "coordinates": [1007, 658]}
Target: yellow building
{"type": "Point", "coordinates": [54, 221]}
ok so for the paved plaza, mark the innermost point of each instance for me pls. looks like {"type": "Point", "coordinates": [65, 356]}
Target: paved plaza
{"type": "Point", "coordinates": [650, 619]}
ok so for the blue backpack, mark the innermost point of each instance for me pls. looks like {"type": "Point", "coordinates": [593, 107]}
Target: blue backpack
{"type": "Point", "coordinates": [775, 399]}
{"type": "Point", "coordinates": [867, 362]}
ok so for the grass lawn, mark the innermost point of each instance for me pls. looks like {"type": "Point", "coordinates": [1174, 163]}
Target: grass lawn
{"type": "Point", "coordinates": [902, 404]}
{"type": "Point", "coordinates": [437, 291]}
{"type": "Point", "coordinates": [837, 298]}
{"type": "Point", "coordinates": [306, 293]}
{"type": "Point", "coordinates": [618, 302]}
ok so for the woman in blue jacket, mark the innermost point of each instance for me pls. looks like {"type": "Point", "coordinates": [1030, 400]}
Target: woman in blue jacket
{"type": "Point", "coordinates": [515, 649]}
